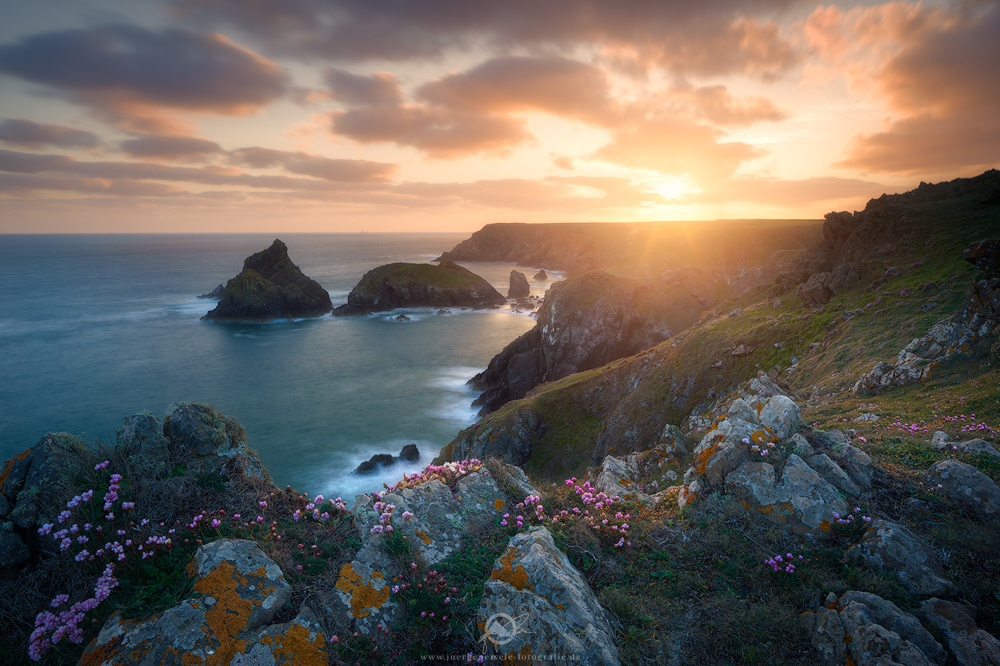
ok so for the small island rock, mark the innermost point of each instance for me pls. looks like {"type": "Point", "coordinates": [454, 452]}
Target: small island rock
{"type": "Point", "coordinates": [419, 285]}
{"type": "Point", "coordinates": [518, 285]}
{"type": "Point", "coordinates": [540, 275]}
{"type": "Point", "coordinates": [218, 293]}
{"type": "Point", "coordinates": [270, 287]}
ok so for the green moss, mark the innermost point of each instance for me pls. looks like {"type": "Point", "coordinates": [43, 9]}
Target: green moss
{"type": "Point", "coordinates": [449, 275]}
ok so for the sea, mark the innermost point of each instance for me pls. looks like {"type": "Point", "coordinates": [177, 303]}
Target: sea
{"type": "Point", "coordinates": [94, 327]}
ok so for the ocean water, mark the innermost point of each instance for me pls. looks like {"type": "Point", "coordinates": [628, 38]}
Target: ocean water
{"type": "Point", "coordinates": [96, 327]}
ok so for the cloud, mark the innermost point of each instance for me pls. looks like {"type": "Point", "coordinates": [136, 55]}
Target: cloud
{"type": "Point", "coordinates": [707, 38]}
{"type": "Point", "coordinates": [30, 185]}
{"type": "Point", "coordinates": [29, 163]}
{"type": "Point", "coordinates": [716, 105]}
{"type": "Point", "coordinates": [34, 135]}
{"type": "Point", "coordinates": [935, 68]}
{"type": "Point", "coordinates": [347, 171]}
{"type": "Point", "coordinates": [676, 147]}
{"type": "Point", "coordinates": [379, 88]}
{"type": "Point", "coordinates": [438, 131]}
{"type": "Point", "coordinates": [778, 192]}
{"type": "Point", "coordinates": [174, 148]}
{"type": "Point", "coordinates": [131, 75]}
{"type": "Point", "coordinates": [560, 86]}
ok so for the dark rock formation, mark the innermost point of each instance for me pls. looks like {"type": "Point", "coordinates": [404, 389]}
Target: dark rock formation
{"type": "Point", "coordinates": [510, 440]}
{"type": "Point", "coordinates": [218, 293]}
{"type": "Point", "coordinates": [519, 287]}
{"type": "Point", "coordinates": [540, 275]}
{"type": "Point", "coordinates": [419, 285]}
{"type": "Point", "coordinates": [270, 287]}
{"type": "Point", "coordinates": [373, 463]}
{"type": "Point", "coordinates": [409, 453]}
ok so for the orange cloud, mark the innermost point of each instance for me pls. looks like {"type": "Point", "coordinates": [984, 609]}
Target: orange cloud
{"type": "Point", "coordinates": [942, 84]}
{"type": "Point", "coordinates": [676, 147]}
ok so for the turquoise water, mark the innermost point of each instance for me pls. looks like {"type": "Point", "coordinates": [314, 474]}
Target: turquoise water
{"type": "Point", "coordinates": [96, 327]}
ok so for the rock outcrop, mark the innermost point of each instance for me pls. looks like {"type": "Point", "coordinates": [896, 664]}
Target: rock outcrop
{"type": "Point", "coordinates": [409, 453]}
{"type": "Point", "coordinates": [534, 579]}
{"type": "Point", "coordinates": [237, 591]}
{"type": "Point", "coordinates": [965, 485]}
{"type": "Point", "coordinates": [419, 285]}
{"type": "Point", "coordinates": [864, 629]}
{"type": "Point", "coordinates": [968, 645]}
{"type": "Point", "coordinates": [519, 287]}
{"type": "Point", "coordinates": [971, 331]}
{"type": "Point", "coordinates": [892, 547]}
{"type": "Point", "coordinates": [540, 275]}
{"type": "Point", "coordinates": [193, 437]}
{"type": "Point", "coordinates": [270, 287]}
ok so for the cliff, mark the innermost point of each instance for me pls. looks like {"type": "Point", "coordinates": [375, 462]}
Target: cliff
{"type": "Point", "coordinates": [592, 319]}
{"type": "Point", "coordinates": [419, 285]}
{"type": "Point", "coordinates": [270, 287]}
{"type": "Point", "coordinates": [641, 250]}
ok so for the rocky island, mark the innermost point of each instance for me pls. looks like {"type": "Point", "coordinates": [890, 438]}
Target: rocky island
{"type": "Point", "coordinates": [270, 287]}
{"type": "Point", "coordinates": [403, 285]}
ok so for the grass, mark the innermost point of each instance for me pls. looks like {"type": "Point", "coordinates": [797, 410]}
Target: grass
{"type": "Point", "coordinates": [435, 276]}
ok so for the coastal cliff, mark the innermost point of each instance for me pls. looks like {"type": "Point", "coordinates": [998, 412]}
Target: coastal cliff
{"type": "Point", "coordinates": [270, 287]}
{"type": "Point", "coordinates": [419, 285]}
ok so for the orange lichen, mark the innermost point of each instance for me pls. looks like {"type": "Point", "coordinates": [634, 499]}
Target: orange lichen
{"type": "Point", "coordinates": [499, 505]}
{"type": "Point", "coordinates": [364, 597]}
{"type": "Point", "coordinates": [10, 465]}
{"type": "Point", "coordinates": [825, 525]}
{"type": "Point", "coordinates": [228, 616]}
{"type": "Point", "coordinates": [515, 577]}
{"type": "Point", "coordinates": [298, 646]}
{"type": "Point", "coordinates": [423, 537]}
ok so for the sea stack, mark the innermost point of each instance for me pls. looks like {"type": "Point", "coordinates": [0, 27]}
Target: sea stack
{"type": "Point", "coordinates": [518, 285]}
{"type": "Point", "coordinates": [270, 287]}
{"type": "Point", "coordinates": [419, 285]}
{"type": "Point", "coordinates": [540, 275]}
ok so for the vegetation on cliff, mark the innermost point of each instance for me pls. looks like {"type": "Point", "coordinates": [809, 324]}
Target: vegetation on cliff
{"type": "Point", "coordinates": [403, 285]}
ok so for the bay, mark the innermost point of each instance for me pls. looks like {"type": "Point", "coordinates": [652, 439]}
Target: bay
{"type": "Point", "coordinates": [95, 327]}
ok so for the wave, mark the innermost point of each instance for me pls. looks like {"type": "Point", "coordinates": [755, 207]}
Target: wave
{"type": "Point", "coordinates": [338, 478]}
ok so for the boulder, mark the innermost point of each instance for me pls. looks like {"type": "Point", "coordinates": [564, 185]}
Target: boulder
{"type": "Point", "coordinates": [207, 441]}
{"type": "Point", "coordinates": [968, 645]}
{"type": "Point", "coordinates": [619, 478]}
{"type": "Point", "coordinates": [984, 254]}
{"type": "Point", "coordinates": [31, 483]}
{"type": "Point", "coordinates": [402, 285]}
{"type": "Point", "coordinates": [534, 579]}
{"type": "Point", "coordinates": [270, 287]}
{"type": "Point", "coordinates": [833, 473]}
{"type": "Point", "coordinates": [237, 591]}
{"type": "Point", "coordinates": [965, 485]}
{"type": "Point", "coordinates": [13, 550]}
{"type": "Point", "coordinates": [803, 502]}
{"type": "Point", "coordinates": [519, 287]}
{"type": "Point", "coordinates": [855, 462]}
{"type": "Point", "coordinates": [540, 275]}
{"type": "Point", "coordinates": [361, 599]}
{"type": "Point", "coordinates": [141, 437]}
{"type": "Point", "coordinates": [781, 415]}
{"type": "Point", "coordinates": [940, 441]}
{"type": "Point", "coordinates": [893, 548]}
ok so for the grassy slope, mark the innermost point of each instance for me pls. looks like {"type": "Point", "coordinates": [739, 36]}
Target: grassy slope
{"type": "Point", "coordinates": [693, 584]}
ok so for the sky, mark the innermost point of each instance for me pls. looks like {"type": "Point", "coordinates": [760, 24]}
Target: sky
{"type": "Point", "coordinates": [445, 115]}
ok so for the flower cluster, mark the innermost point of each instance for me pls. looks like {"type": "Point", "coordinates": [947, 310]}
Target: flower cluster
{"type": "Point", "coordinates": [762, 449]}
{"type": "Point", "coordinates": [315, 509]}
{"type": "Point", "coordinates": [65, 624]}
{"type": "Point", "coordinates": [385, 517]}
{"type": "Point", "coordinates": [447, 473]}
{"type": "Point", "coordinates": [848, 519]}
{"type": "Point", "coordinates": [784, 564]}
